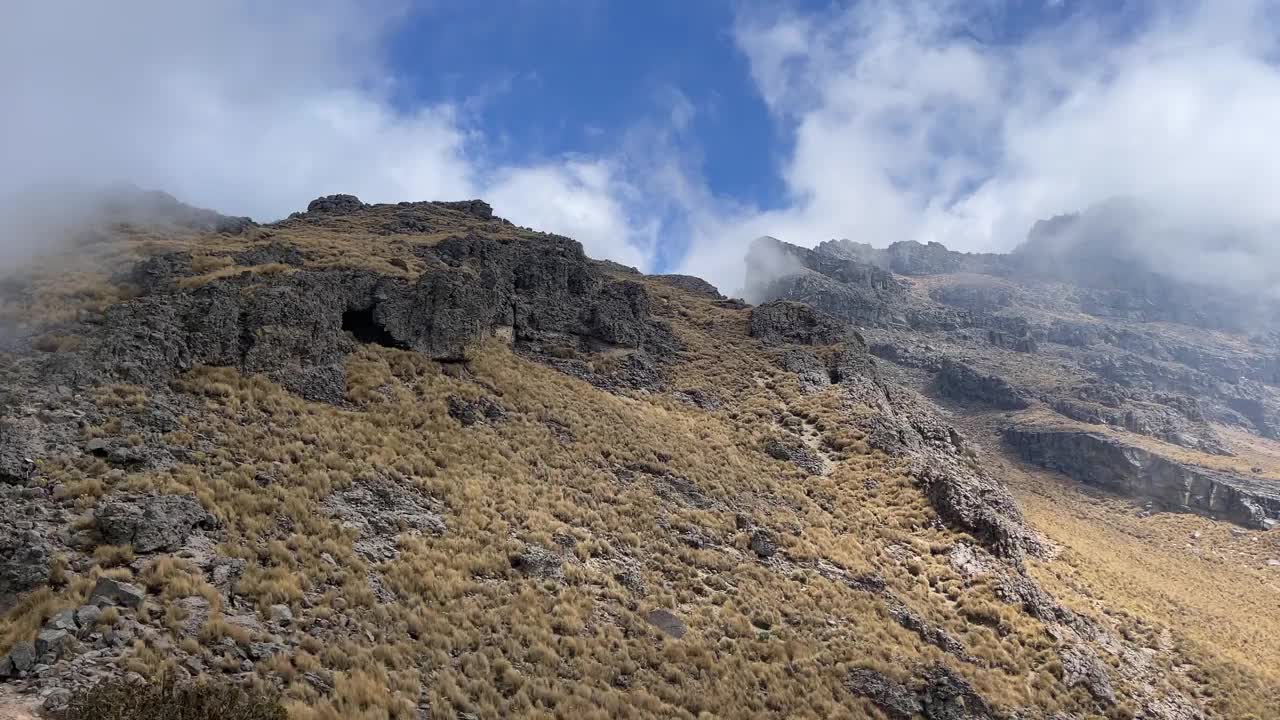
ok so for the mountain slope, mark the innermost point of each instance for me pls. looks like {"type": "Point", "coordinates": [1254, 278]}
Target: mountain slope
{"type": "Point", "coordinates": [414, 461]}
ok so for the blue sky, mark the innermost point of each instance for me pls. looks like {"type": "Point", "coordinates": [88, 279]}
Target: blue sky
{"type": "Point", "coordinates": [562, 77]}
{"type": "Point", "coordinates": [667, 134]}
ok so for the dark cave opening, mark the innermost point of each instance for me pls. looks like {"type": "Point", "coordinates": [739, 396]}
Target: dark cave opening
{"type": "Point", "coordinates": [362, 325]}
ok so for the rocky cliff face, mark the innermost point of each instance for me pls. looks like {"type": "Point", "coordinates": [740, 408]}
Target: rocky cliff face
{"type": "Point", "coordinates": [1095, 459]}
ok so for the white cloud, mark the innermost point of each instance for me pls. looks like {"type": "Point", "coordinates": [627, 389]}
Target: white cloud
{"type": "Point", "coordinates": [256, 108]}
{"type": "Point", "coordinates": [584, 200]}
{"type": "Point", "coordinates": [906, 127]}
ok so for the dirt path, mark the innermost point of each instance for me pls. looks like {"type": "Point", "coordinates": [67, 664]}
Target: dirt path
{"type": "Point", "coordinates": [17, 707]}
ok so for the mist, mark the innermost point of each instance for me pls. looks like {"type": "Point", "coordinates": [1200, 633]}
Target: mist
{"type": "Point", "coordinates": [896, 121]}
{"type": "Point", "coordinates": [254, 109]}
{"type": "Point", "coordinates": [908, 121]}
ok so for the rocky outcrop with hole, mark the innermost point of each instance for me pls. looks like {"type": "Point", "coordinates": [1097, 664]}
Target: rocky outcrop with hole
{"type": "Point", "coordinates": [298, 326]}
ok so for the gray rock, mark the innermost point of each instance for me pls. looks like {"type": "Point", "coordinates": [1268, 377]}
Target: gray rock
{"type": "Point", "coordinates": [194, 611]}
{"type": "Point", "coordinates": [1104, 461]}
{"type": "Point", "coordinates": [538, 562]}
{"type": "Point", "coordinates": [24, 559]}
{"type": "Point", "coordinates": [272, 253]}
{"type": "Point", "coordinates": [792, 450]}
{"type": "Point", "coordinates": [150, 523]}
{"type": "Point", "coordinates": [379, 509]}
{"type": "Point", "coordinates": [902, 424]}
{"type": "Point", "coordinates": [335, 204]}
{"type": "Point", "coordinates": [691, 284]}
{"type": "Point", "coordinates": [114, 592]}
{"type": "Point", "coordinates": [859, 293]}
{"type": "Point", "coordinates": [298, 327]}
{"type": "Point", "coordinates": [19, 449]}
{"type": "Point", "coordinates": [87, 617]}
{"type": "Point", "coordinates": [52, 641]}
{"type": "Point", "coordinates": [667, 622]}
{"type": "Point", "coordinates": [947, 696]}
{"type": "Point", "coordinates": [938, 694]}
{"type": "Point", "coordinates": [23, 656]}
{"type": "Point", "coordinates": [65, 620]}
{"type": "Point", "coordinates": [1081, 667]}
{"type": "Point", "coordinates": [781, 322]}
{"type": "Point", "coordinates": [763, 544]}
{"type": "Point", "coordinates": [56, 699]}
{"type": "Point", "coordinates": [894, 698]}
{"type": "Point", "coordinates": [475, 208]}
{"type": "Point", "coordinates": [280, 614]}
{"type": "Point", "coordinates": [960, 382]}
{"type": "Point", "coordinates": [470, 412]}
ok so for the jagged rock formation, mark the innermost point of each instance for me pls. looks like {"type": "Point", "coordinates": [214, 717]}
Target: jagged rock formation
{"type": "Point", "coordinates": [1003, 332]}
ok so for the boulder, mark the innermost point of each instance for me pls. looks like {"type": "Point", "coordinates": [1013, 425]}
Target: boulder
{"type": "Point", "coordinates": [937, 693]}
{"type": "Point", "coordinates": [150, 523]}
{"type": "Point", "coordinates": [691, 284]}
{"type": "Point", "coordinates": [763, 544]}
{"type": "Point", "coordinates": [789, 449]}
{"type": "Point", "coordinates": [87, 617]}
{"type": "Point", "coordinates": [891, 696]}
{"type": "Point", "coordinates": [53, 641]}
{"type": "Point", "coordinates": [65, 620]}
{"type": "Point", "coordinates": [21, 658]}
{"type": "Point", "coordinates": [18, 449]}
{"type": "Point", "coordinates": [470, 412]}
{"type": "Point", "coordinates": [667, 622]}
{"type": "Point", "coordinates": [115, 592]}
{"type": "Point", "coordinates": [475, 208]}
{"type": "Point", "coordinates": [280, 614]}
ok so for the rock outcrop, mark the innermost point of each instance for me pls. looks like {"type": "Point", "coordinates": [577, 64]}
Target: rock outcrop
{"type": "Point", "coordinates": [855, 292]}
{"type": "Point", "coordinates": [297, 327]}
{"type": "Point", "coordinates": [964, 384]}
{"type": "Point", "coordinates": [150, 523]}
{"type": "Point", "coordinates": [938, 694]}
{"type": "Point", "coordinates": [783, 321]}
{"type": "Point", "coordinates": [1099, 460]}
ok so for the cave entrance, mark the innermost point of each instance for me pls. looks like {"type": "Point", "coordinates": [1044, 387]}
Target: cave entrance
{"type": "Point", "coordinates": [362, 325]}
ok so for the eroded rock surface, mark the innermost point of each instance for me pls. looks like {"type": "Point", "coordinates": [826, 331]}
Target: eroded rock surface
{"type": "Point", "coordinates": [1096, 459]}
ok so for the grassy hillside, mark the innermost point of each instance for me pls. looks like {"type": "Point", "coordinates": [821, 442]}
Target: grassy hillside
{"type": "Point", "coordinates": [496, 538]}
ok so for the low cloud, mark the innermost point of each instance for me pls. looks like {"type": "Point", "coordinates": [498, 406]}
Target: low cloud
{"type": "Point", "coordinates": [906, 120]}
{"type": "Point", "coordinates": [907, 126]}
{"type": "Point", "coordinates": [255, 109]}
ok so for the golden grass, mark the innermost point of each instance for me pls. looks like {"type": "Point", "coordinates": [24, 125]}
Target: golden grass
{"type": "Point", "coordinates": [451, 625]}
{"type": "Point", "coordinates": [1183, 583]}
{"type": "Point", "coordinates": [466, 633]}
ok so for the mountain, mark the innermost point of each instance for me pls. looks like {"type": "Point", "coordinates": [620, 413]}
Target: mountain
{"type": "Point", "coordinates": [413, 461]}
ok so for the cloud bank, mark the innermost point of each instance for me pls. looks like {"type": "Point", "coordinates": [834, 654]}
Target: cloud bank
{"type": "Point", "coordinates": [907, 125]}
{"type": "Point", "coordinates": [904, 120]}
{"type": "Point", "coordinates": [256, 108]}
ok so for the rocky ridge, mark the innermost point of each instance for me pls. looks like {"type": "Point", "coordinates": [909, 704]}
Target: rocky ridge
{"type": "Point", "coordinates": [389, 458]}
{"type": "Point", "coordinates": [999, 333]}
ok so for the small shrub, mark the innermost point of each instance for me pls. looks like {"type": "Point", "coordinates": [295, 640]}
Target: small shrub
{"type": "Point", "coordinates": [166, 698]}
